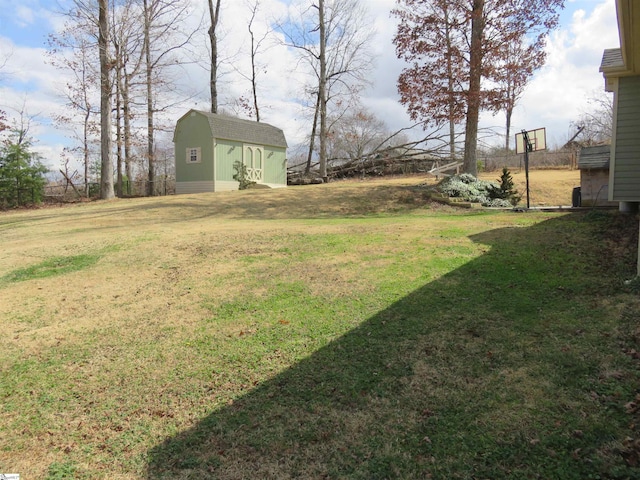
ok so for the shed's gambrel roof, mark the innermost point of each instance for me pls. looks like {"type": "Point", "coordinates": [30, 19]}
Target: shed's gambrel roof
{"type": "Point", "coordinates": [246, 131]}
{"type": "Point", "coordinates": [594, 157]}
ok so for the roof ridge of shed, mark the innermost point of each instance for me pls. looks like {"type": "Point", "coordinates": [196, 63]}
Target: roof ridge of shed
{"type": "Point", "coordinates": [230, 127]}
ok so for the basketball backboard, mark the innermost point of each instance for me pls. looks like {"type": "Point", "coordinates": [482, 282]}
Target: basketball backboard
{"type": "Point", "coordinates": [537, 138]}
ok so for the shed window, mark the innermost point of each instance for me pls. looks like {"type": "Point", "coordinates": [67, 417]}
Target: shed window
{"type": "Point", "coordinates": [194, 155]}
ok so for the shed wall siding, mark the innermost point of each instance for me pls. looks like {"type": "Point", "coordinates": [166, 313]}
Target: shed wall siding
{"type": "Point", "coordinates": [625, 175]}
{"type": "Point", "coordinates": [193, 187]}
{"type": "Point", "coordinates": [193, 131]}
{"type": "Point", "coordinates": [227, 152]}
{"type": "Point", "coordinates": [275, 166]}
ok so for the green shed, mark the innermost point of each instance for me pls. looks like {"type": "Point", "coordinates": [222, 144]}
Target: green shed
{"type": "Point", "coordinates": [208, 144]}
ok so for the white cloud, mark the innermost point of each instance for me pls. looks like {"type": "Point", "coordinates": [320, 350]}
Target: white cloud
{"type": "Point", "coordinates": [24, 15]}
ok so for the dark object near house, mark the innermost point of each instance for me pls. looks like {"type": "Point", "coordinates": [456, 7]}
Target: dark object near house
{"type": "Point", "coordinates": [576, 199]}
{"type": "Point", "coordinates": [593, 163]}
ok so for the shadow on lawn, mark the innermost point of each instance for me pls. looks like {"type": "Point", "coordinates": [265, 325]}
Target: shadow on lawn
{"type": "Point", "coordinates": [482, 373]}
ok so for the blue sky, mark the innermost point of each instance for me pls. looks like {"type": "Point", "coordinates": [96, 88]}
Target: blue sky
{"type": "Point", "coordinates": [28, 22]}
{"type": "Point", "coordinates": [557, 95]}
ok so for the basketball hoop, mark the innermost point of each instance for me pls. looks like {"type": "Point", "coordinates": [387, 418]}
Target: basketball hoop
{"type": "Point", "coordinates": [537, 140]}
{"type": "Point", "coordinates": [530, 141]}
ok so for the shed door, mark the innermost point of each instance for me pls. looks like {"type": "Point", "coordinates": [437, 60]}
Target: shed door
{"type": "Point", "coordinates": [254, 161]}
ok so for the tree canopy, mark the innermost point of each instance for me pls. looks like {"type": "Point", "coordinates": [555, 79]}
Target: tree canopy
{"type": "Point", "coordinates": [460, 56]}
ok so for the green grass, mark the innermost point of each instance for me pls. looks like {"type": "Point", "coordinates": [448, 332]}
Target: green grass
{"type": "Point", "coordinates": [413, 344]}
{"type": "Point", "coordinates": [55, 266]}
{"type": "Point", "coordinates": [51, 267]}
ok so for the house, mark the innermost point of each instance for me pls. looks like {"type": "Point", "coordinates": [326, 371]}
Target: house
{"type": "Point", "coordinates": [593, 163]}
{"type": "Point", "coordinates": [621, 70]}
{"type": "Point", "coordinates": [207, 145]}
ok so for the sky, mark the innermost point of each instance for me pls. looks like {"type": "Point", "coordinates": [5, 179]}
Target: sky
{"type": "Point", "coordinates": [557, 95]}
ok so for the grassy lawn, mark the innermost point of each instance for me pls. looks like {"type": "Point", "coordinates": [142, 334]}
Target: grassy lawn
{"type": "Point", "coordinates": [352, 330]}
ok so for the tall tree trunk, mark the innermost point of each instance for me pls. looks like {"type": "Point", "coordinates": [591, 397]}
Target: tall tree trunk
{"type": "Point", "coordinates": [85, 150]}
{"type": "Point", "coordinates": [473, 102]}
{"type": "Point", "coordinates": [254, 86]}
{"type": "Point", "coordinates": [214, 15]}
{"type": "Point", "coordinates": [85, 129]}
{"type": "Point", "coordinates": [127, 132]}
{"type": "Point", "coordinates": [451, 86]}
{"type": "Point", "coordinates": [509, 112]}
{"type": "Point", "coordinates": [149, 79]}
{"type": "Point", "coordinates": [106, 163]}
{"type": "Point", "coordinates": [322, 90]}
{"type": "Point", "coordinates": [312, 140]}
{"type": "Point", "coordinates": [118, 121]}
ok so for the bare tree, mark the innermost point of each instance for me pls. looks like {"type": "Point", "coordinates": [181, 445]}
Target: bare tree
{"type": "Point", "coordinates": [88, 28]}
{"type": "Point", "coordinates": [257, 39]}
{"type": "Point", "coordinates": [332, 37]}
{"type": "Point", "coordinates": [256, 44]}
{"type": "Point", "coordinates": [128, 42]}
{"type": "Point", "coordinates": [356, 134]}
{"type": "Point", "coordinates": [162, 37]}
{"type": "Point", "coordinates": [214, 16]}
{"type": "Point", "coordinates": [106, 164]}
{"type": "Point", "coordinates": [596, 124]}
{"type": "Point", "coordinates": [80, 90]}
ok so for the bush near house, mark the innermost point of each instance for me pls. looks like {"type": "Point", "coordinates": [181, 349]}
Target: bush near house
{"type": "Point", "coordinates": [241, 176]}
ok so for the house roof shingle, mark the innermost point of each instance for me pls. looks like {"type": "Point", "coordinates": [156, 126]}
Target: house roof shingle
{"type": "Point", "coordinates": [612, 60]}
{"type": "Point", "coordinates": [247, 131]}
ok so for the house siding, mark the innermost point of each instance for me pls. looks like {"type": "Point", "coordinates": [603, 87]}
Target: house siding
{"type": "Point", "coordinates": [190, 132]}
{"type": "Point", "coordinates": [625, 159]}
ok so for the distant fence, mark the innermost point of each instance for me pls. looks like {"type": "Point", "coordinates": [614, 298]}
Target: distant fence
{"type": "Point", "coordinates": [59, 191]}
{"type": "Point", "coordinates": [542, 159]}
{"type": "Point", "coordinates": [139, 188]}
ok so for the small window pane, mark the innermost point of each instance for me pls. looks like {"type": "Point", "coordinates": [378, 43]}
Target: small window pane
{"type": "Point", "coordinates": [193, 155]}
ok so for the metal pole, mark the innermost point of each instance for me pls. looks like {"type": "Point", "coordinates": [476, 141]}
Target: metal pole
{"type": "Point", "coordinates": [528, 147]}
{"type": "Point", "coordinates": [526, 172]}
